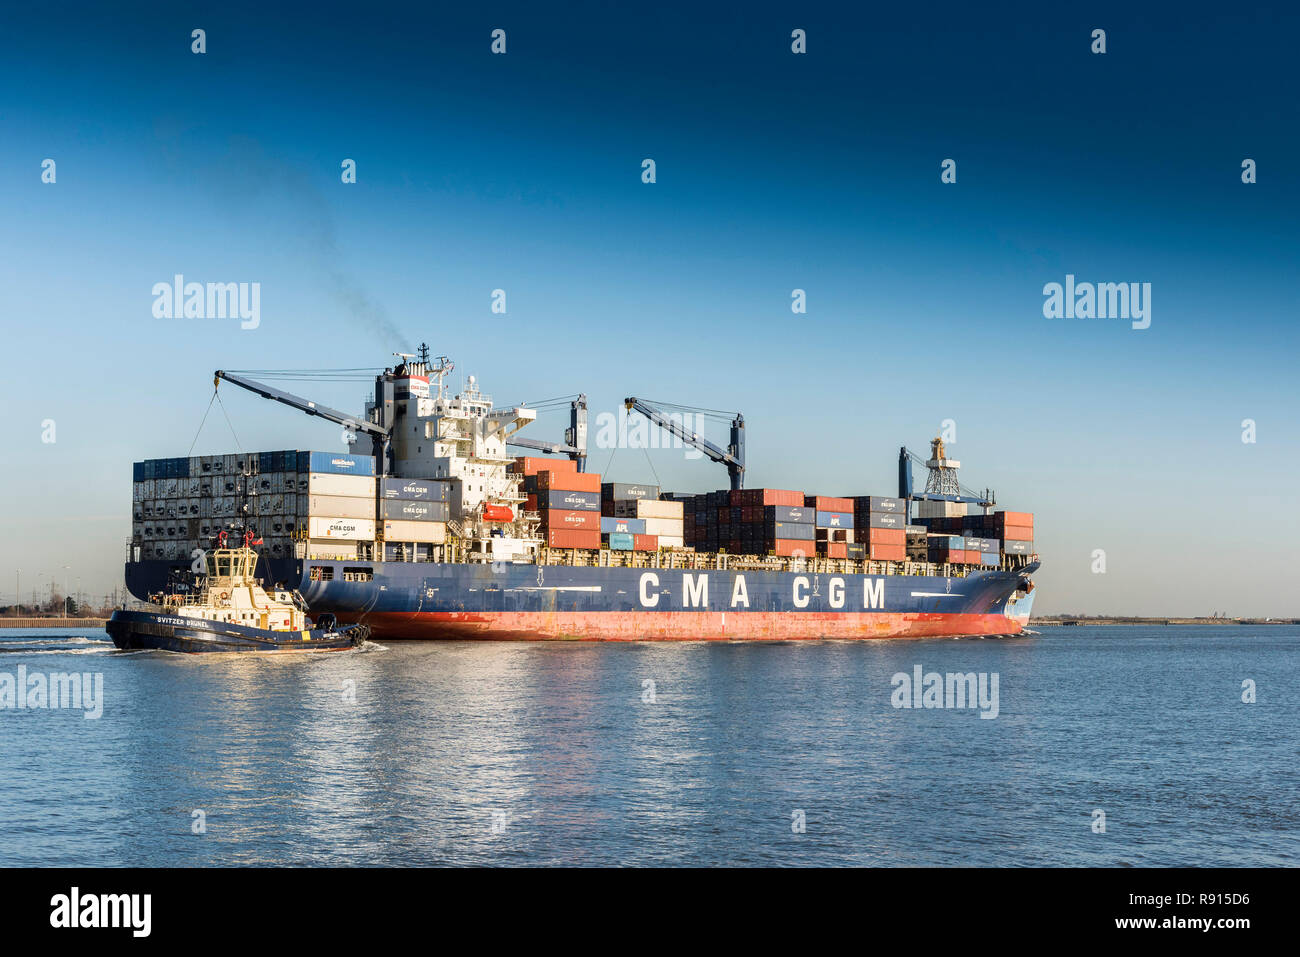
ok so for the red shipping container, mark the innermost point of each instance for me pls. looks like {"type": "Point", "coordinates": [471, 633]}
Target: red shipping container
{"type": "Point", "coordinates": [766, 496]}
{"type": "Point", "coordinates": [1014, 518]}
{"type": "Point", "coordinates": [886, 536]}
{"type": "Point", "coordinates": [824, 503]}
{"type": "Point", "coordinates": [570, 518]}
{"type": "Point", "coordinates": [531, 503]}
{"type": "Point", "coordinates": [645, 543]}
{"type": "Point", "coordinates": [1017, 533]}
{"type": "Point", "coordinates": [531, 465]}
{"type": "Point", "coordinates": [572, 538]}
{"type": "Point", "coordinates": [833, 549]}
{"type": "Point", "coordinates": [791, 547]}
{"type": "Point", "coordinates": [888, 553]}
{"type": "Point", "coordinates": [568, 481]}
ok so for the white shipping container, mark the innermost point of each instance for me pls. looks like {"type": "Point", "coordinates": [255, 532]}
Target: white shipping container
{"type": "Point", "coordinates": [664, 526]}
{"type": "Point", "coordinates": [356, 486]}
{"type": "Point", "coordinates": [671, 541]}
{"type": "Point", "coordinates": [330, 549]}
{"type": "Point", "coordinates": [647, 508]}
{"type": "Point", "coordinates": [338, 506]}
{"type": "Point", "coordinates": [347, 529]}
{"type": "Point", "coordinates": [399, 531]}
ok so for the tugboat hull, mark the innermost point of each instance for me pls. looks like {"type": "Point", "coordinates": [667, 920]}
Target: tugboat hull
{"type": "Point", "coordinates": [146, 631]}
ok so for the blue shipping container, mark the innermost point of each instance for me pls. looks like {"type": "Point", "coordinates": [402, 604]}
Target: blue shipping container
{"type": "Point", "coordinates": [989, 558]}
{"type": "Point", "coordinates": [336, 463]}
{"type": "Point", "coordinates": [625, 526]}
{"type": "Point", "coordinates": [137, 471]}
{"type": "Point", "coordinates": [834, 520]}
{"type": "Point", "coordinates": [621, 541]}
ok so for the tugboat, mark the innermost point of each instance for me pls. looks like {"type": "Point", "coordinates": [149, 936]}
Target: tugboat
{"type": "Point", "coordinates": [232, 612]}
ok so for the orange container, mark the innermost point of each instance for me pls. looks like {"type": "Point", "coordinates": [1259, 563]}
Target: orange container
{"type": "Point", "coordinates": [645, 543]}
{"type": "Point", "coordinates": [570, 518]}
{"type": "Point", "coordinates": [824, 503]}
{"type": "Point", "coordinates": [833, 549]}
{"type": "Point", "coordinates": [1017, 533]}
{"type": "Point", "coordinates": [888, 553]}
{"type": "Point", "coordinates": [886, 536]}
{"type": "Point", "coordinates": [532, 464]}
{"type": "Point", "coordinates": [1015, 518]}
{"type": "Point", "coordinates": [572, 538]}
{"type": "Point", "coordinates": [568, 481]}
{"type": "Point", "coordinates": [791, 546]}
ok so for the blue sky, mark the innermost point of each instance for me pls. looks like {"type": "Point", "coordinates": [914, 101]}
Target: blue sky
{"type": "Point", "coordinates": [774, 172]}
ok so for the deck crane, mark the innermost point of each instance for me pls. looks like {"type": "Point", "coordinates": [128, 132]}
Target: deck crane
{"type": "Point", "coordinates": [575, 436]}
{"type": "Point", "coordinates": [380, 436]}
{"type": "Point", "coordinates": [941, 483]}
{"type": "Point", "coordinates": [733, 456]}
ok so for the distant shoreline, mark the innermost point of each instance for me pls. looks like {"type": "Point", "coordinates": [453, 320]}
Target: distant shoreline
{"type": "Point", "coordinates": [52, 622]}
{"type": "Point", "coordinates": [1070, 620]}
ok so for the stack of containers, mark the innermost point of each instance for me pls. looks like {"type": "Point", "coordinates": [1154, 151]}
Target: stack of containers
{"type": "Point", "coordinates": [773, 521]}
{"type": "Point", "coordinates": [834, 524]}
{"type": "Point", "coordinates": [1015, 530]}
{"type": "Point", "coordinates": [568, 502]}
{"type": "Point", "coordinates": [947, 548]}
{"type": "Point", "coordinates": [414, 513]}
{"type": "Point", "coordinates": [881, 522]}
{"type": "Point", "coordinates": [336, 502]}
{"type": "Point", "coordinates": [627, 532]}
{"type": "Point", "coordinates": [664, 519]}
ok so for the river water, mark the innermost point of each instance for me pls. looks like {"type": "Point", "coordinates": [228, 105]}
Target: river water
{"type": "Point", "coordinates": [640, 754]}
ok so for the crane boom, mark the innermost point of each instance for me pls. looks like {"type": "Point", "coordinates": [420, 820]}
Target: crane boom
{"type": "Point", "coordinates": [732, 457]}
{"type": "Point", "coordinates": [575, 436]}
{"type": "Point", "coordinates": [357, 423]}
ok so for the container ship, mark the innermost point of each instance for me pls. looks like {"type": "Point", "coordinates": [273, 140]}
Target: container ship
{"type": "Point", "coordinates": [430, 526]}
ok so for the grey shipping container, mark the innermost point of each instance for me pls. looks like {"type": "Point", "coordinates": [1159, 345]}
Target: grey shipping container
{"type": "Point", "coordinates": [413, 511]}
{"type": "Point", "coordinates": [878, 503]}
{"type": "Point", "coordinates": [626, 490]}
{"type": "Point", "coordinates": [419, 490]}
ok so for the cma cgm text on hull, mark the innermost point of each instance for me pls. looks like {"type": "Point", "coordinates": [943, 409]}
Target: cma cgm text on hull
{"type": "Point", "coordinates": [438, 530]}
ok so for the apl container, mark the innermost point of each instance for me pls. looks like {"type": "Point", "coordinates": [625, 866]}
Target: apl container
{"type": "Point", "coordinates": [630, 526]}
{"type": "Point", "coordinates": [834, 520]}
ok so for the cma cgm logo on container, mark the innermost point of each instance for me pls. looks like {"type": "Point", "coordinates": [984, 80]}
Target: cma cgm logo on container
{"type": "Point", "coordinates": [1103, 300]}
{"type": "Point", "coordinates": [695, 592]}
{"type": "Point", "coordinates": [179, 299]}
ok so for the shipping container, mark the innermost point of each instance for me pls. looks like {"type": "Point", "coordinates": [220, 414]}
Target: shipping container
{"type": "Point", "coordinates": [416, 490]}
{"type": "Point", "coordinates": [577, 501]}
{"type": "Point", "coordinates": [321, 483]}
{"type": "Point", "coordinates": [833, 549]}
{"type": "Point", "coordinates": [627, 490]}
{"type": "Point", "coordinates": [886, 536]}
{"type": "Point", "coordinates": [414, 511]}
{"type": "Point", "coordinates": [790, 548]}
{"type": "Point", "coordinates": [663, 526]}
{"type": "Point", "coordinates": [645, 543]}
{"type": "Point", "coordinates": [1016, 533]}
{"type": "Point", "coordinates": [646, 508]}
{"type": "Point", "coordinates": [572, 538]}
{"type": "Point", "coordinates": [618, 541]}
{"type": "Point", "coordinates": [571, 518]}
{"type": "Point", "coordinates": [405, 531]}
{"type": "Point", "coordinates": [886, 520]}
{"type": "Point", "coordinates": [336, 463]}
{"type": "Point", "coordinates": [568, 482]}
{"type": "Point", "coordinates": [1018, 548]}
{"type": "Point", "coordinates": [765, 496]}
{"type": "Point", "coordinates": [856, 551]}
{"type": "Point", "coordinates": [351, 529]}
{"type": "Point", "coordinates": [834, 519]}
{"type": "Point", "coordinates": [532, 464]}
{"type": "Point", "coordinates": [878, 503]}
{"type": "Point", "coordinates": [670, 541]}
{"type": "Point", "coordinates": [1023, 519]}
{"type": "Point", "coordinates": [327, 506]}
{"type": "Point", "coordinates": [825, 503]}
{"type": "Point", "coordinates": [328, 550]}
{"type": "Point", "coordinates": [889, 553]}
{"type": "Point", "coordinates": [990, 558]}
{"type": "Point", "coordinates": [794, 531]}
